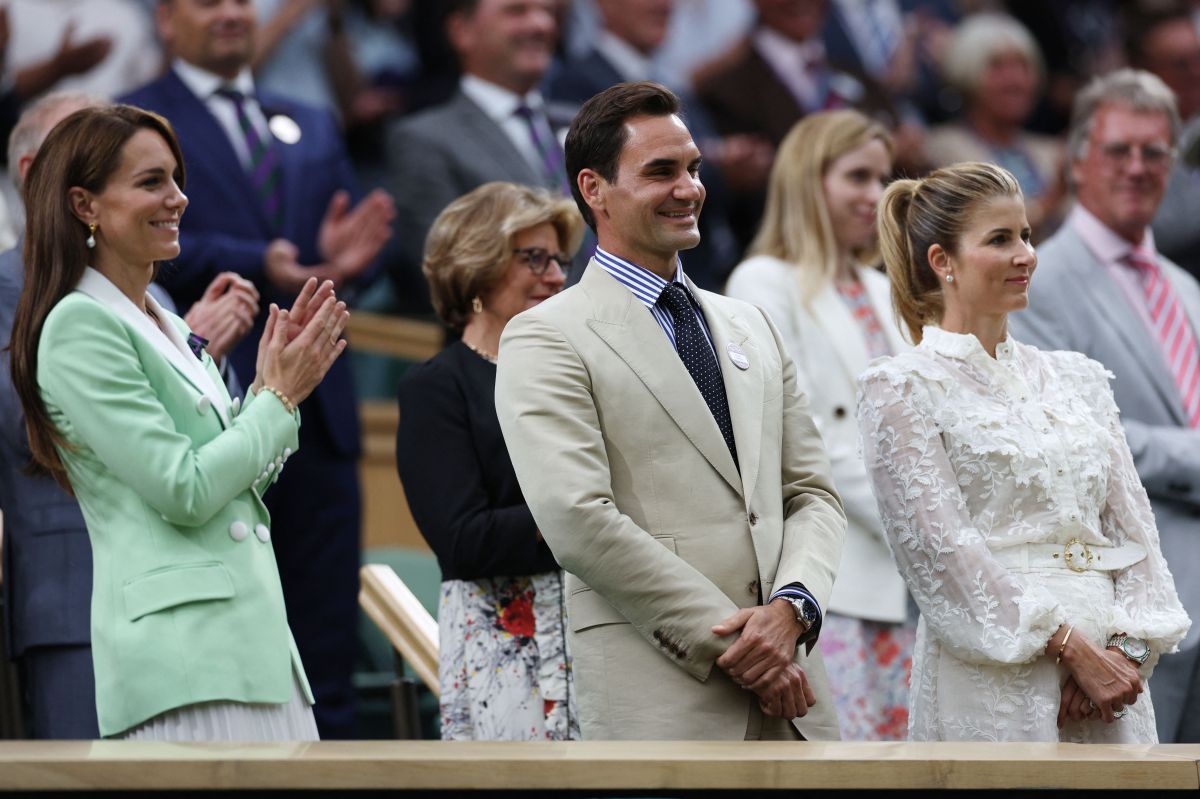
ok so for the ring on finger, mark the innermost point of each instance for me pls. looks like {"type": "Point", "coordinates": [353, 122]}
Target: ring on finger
{"type": "Point", "coordinates": [1091, 706]}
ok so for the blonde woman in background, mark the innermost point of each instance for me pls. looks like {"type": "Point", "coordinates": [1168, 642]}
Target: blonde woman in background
{"type": "Point", "coordinates": [811, 271]}
{"type": "Point", "coordinates": [1007, 490]}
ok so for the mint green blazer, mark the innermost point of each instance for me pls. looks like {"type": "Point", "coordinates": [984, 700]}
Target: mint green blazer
{"type": "Point", "coordinates": [186, 604]}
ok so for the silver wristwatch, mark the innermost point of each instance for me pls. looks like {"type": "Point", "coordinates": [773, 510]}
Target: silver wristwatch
{"type": "Point", "coordinates": [806, 612]}
{"type": "Point", "coordinates": [1133, 648]}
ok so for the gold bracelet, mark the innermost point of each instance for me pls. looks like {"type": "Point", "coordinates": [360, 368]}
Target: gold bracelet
{"type": "Point", "coordinates": [288, 405]}
{"type": "Point", "coordinates": [1063, 645]}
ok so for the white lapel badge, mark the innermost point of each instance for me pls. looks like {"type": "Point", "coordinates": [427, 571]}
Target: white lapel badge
{"type": "Point", "coordinates": [284, 128]}
{"type": "Point", "coordinates": [737, 356]}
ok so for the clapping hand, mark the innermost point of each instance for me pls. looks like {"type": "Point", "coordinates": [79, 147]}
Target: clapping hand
{"type": "Point", "coordinates": [225, 313]}
{"type": "Point", "coordinates": [297, 366]}
{"type": "Point", "coordinates": [349, 239]}
{"type": "Point", "coordinates": [311, 299]}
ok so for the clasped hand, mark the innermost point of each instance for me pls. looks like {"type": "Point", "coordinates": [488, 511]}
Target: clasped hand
{"type": "Point", "coordinates": [762, 658]}
{"type": "Point", "coordinates": [1102, 682]}
{"type": "Point", "coordinates": [298, 346]}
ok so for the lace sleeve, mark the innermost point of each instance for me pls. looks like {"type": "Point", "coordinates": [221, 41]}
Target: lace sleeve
{"type": "Point", "coordinates": [968, 600]}
{"type": "Point", "coordinates": [1147, 605]}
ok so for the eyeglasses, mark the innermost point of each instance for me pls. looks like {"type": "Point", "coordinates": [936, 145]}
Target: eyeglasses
{"type": "Point", "coordinates": [538, 259]}
{"type": "Point", "coordinates": [1154, 156]}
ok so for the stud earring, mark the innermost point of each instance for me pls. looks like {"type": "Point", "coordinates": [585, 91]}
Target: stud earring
{"type": "Point", "coordinates": [477, 305]}
{"type": "Point", "coordinates": [91, 239]}
{"type": "Point", "coordinates": [949, 278]}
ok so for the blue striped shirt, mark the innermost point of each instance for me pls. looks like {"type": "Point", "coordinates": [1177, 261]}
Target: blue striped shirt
{"type": "Point", "coordinates": [647, 287]}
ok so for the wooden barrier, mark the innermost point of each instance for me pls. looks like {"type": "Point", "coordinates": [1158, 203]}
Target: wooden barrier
{"type": "Point", "coordinates": [403, 619]}
{"type": "Point", "coordinates": [384, 334]}
{"type": "Point", "coordinates": [594, 767]}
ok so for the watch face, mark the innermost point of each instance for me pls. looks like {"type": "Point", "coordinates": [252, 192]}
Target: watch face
{"type": "Point", "coordinates": [808, 611]}
{"type": "Point", "coordinates": [1136, 647]}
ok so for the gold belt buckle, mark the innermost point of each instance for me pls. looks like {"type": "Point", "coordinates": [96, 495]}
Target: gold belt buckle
{"type": "Point", "coordinates": [1077, 555]}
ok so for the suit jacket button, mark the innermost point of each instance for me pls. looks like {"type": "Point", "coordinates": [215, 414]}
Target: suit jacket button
{"type": "Point", "coordinates": [658, 635]}
{"type": "Point", "coordinates": [839, 412]}
{"type": "Point", "coordinates": [753, 518]}
{"type": "Point", "coordinates": [238, 531]}
{"type": "Point", "coordinates": [752, 588]}
{"type": "Point", "coordinates": [235, 407]}
{"type": "Point", "coordinates": [202, 405]}
{"type": "Point", "coordinates": [263, 532]}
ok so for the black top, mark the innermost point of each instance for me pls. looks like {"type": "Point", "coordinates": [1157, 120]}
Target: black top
{"type": "Point", "coordinates": [457, 475]}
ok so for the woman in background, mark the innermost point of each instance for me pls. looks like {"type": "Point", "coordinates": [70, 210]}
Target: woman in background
{"type": "Point", "coordinates": [811, 271]}
{"type": "Point", "coordinates": [504, 670]}
{"type": "Point", "coordinates": [1007, 490]}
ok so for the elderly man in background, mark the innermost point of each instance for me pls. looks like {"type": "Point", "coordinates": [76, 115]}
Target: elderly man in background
{"type": "Point", "coordinates": [1105, 290]}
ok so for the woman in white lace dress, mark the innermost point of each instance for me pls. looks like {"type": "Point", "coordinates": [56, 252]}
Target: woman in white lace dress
{"type": "Point", "coordinates": [1007, 490]}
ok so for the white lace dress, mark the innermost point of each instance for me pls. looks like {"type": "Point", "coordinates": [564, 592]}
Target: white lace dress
{"type": "Point", "coordinates": [970, 456]}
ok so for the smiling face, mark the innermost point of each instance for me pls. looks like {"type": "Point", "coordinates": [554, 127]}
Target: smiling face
{"type": "Point", "coordinates": [853, 184]}
{"type": "Point", "coordinates": [520, 289]}
{"type": "Point", "coordinates": [215, 35]}
{"type": "Point", "coordinates": [137, 213]}
{"type": "Point", "coordinates": [507, 42]}
{"type": "Point", "coordinates": [992, 266]}
{"type": "Point", "coordinates": [651, 209]}
{"type": "Point", "coordinates": [1113, 180]}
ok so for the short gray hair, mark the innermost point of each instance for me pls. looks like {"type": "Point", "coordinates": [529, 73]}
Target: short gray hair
{"type": "Point", "coordinates": [1133, 88]}
{"type": "Point", "coordinates": [33, 128]}
{"type": "Point", "coordinates": [977, 39]}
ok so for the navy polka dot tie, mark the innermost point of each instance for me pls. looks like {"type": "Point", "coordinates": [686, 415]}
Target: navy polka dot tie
{"type": "Point", "coordinates": [698, 357]}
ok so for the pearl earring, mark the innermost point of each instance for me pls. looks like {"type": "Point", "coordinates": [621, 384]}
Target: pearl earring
{"type": "Point", "coordinates": [949, 278]}
{"type": "Point", "coordinates": [91, 239]}
{"type": "Point", "coordinates": [477, 305]}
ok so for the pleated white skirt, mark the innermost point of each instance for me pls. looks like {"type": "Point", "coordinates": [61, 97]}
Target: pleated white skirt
{"type": "Point", "coordinates": [231, 721]}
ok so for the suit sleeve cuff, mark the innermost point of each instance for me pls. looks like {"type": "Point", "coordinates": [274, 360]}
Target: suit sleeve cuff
{"type": "Point", "coordinates": [798, 591]}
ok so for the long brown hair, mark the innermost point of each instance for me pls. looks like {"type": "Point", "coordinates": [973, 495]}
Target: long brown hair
{"type": "Point", "coordinates": [84, 150]}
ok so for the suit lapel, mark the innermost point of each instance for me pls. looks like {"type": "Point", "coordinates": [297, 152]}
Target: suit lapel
{"type": "Point", "coordinates": [633, 334]}
{"type": "Point", "coordinates": [1114, 307]}
{"type": "Point", "coordinates": [169, 343]}
{"type": "Point", "coordinates": [743, 387]}
{"type": "Point", "coordinates": [833, 317]}
{"type": "Point", "coordinates": [491, 138]}
{"type": "Point", "coordinates": [207, 142]}
{"type": "Point", "coordinates": [291, 163]}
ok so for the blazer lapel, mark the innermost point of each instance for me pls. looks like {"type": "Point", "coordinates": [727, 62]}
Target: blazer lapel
{"type": "Point", "coordinates": [743, 387]}
{"type": "Point", "coordinates": [1114, 306]}
{"type": "Point", "coordinates": [833, 317]}
{"type": "Point", "coordinates": [491, 138]}
{"type": "Point", "coordinates": [170, 344]}
{"type": "Point", "coordinates": [634, 335]}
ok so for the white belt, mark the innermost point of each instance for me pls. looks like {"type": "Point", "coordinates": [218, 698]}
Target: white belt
{"type": "Point", "coordinates": [1075, 555]}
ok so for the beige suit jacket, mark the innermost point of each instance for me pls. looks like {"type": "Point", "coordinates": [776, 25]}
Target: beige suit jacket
{"type": "Point", "coordinates": [635, 491]}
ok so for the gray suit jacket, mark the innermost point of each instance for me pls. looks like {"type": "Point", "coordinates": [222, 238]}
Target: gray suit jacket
{"type": "Point", "coordinates": [1075, 305]}
{"type": "Point", "coordinates": [436, 156]}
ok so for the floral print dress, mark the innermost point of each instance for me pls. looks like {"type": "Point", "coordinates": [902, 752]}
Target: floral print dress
{"type": "Point", "coordinates": [973, 459]}
{"type": "Point", "coordinates": [504, 669]}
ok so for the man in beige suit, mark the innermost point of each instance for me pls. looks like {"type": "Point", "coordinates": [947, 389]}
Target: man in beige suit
{"type": "Point", "coordinates": [669, 460]}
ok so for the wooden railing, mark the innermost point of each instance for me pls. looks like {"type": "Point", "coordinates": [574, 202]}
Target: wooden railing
{"type": "Point", "coordinates": [403, 619]}
{"type": "Point", "coordinates": [670, 768]}
{"type": "Point", "coordinates": [382, 334]}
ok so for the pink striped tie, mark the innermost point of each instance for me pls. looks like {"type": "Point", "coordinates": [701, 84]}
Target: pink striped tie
{"type": "Point", "coordinates": [1174, 331]}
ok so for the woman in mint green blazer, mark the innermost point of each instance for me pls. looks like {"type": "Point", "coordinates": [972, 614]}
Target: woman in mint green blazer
{"type": "Point", "coordinates": [189, 635]}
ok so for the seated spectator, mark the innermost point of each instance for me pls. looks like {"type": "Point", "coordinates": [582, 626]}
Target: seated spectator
{"type": "Point", "coordinates": [995, 63]}
{"type": "Point", "coordinates": [504, 673]}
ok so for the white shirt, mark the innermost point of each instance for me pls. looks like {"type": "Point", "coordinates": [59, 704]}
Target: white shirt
{"type": "Point", "coordinates": [624, 57]}
{"type": "Point", "coordinates": [501, 106]}
{"type": "Point", "coordinates": [789, 60]}
{"type": "Point", "coordinates": [205, 84]}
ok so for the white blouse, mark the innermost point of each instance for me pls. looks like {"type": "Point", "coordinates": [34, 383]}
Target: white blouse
{"type": "Point", "coordinates": [970, 455]}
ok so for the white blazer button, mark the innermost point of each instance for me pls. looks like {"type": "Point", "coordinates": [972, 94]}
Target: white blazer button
{"type": "Point", "coordinates": [263, 532]}
{"type": "Point", "coordinates": [203, 404]}
{"type": "Point", "coordinates": [270, 466]}
{"type": "Point", "coordinates": [238, 531]}
{"type": "Point", "coordinates": [235, 407]}
{"type": "Point", "coordinates": [287, 453]}
{"type": "Point", "coordinates": [278, 461]}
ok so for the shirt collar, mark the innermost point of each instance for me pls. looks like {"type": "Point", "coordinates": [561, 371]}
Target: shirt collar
{"type": "Point", "coordinates": [496, 101]}
{"type": "Point", "coordinates": [1098, 237]}
{"type": "Point", "coordinates": [964, 346]}
{"type": "Point", "coordinates": [624, 57]}
{"type": "Point", "coordinates": [644, 284]}
{"type": "Point", "coordinates": [776, 47]}
{"type": "Point", "coordinates": [204, 84]}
